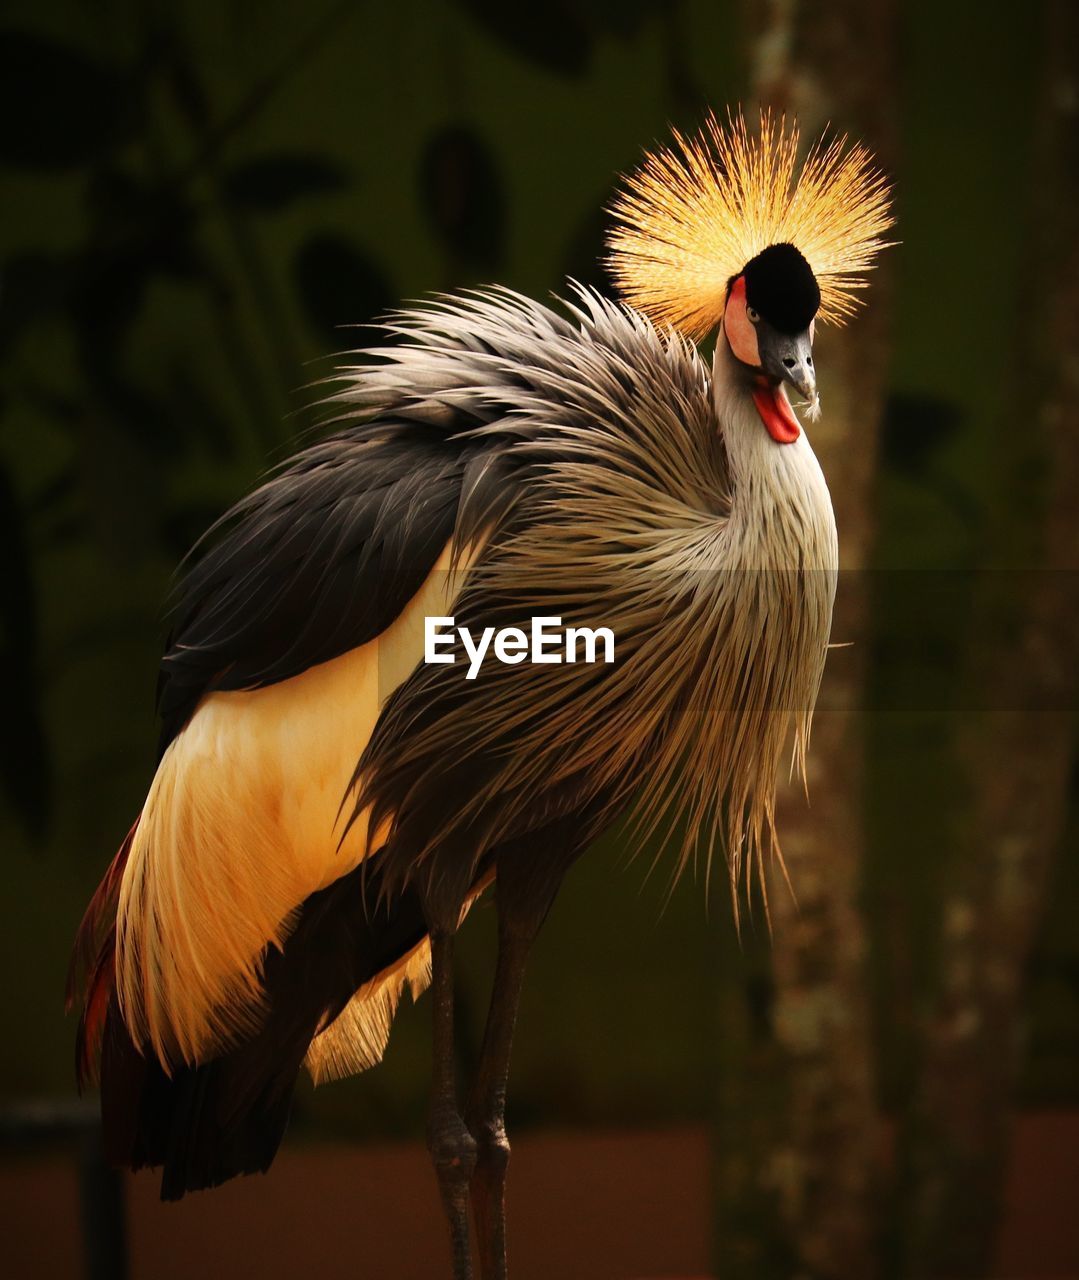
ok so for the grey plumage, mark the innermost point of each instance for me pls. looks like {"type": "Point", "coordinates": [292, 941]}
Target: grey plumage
{"type": "Point", "coordinates": [616, 509]}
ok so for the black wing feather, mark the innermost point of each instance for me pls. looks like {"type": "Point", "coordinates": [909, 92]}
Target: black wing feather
{"type": "Point", "coordinates": [318, 560]}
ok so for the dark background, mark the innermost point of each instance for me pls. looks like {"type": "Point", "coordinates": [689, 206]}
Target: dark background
{"type": "Point", "coordinates": [196, 197]}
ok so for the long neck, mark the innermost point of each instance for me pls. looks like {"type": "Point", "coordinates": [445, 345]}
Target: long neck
{"type": "Point", "coordinates": [781, 511]}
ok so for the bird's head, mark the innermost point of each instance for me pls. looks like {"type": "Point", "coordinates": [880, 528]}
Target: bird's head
{"type": "Point", "coordinates": [768, 322]}
{"type": "Point", "coordinates": [726, 231]}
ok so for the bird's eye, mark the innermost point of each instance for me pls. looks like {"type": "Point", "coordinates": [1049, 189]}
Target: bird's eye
{"type": "Point", "coordinates": [754, 316]}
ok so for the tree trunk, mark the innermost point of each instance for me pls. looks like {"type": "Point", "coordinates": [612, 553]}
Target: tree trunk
{"type": "Point", "coordinates": [797, 1190]}
{"type": "Point", "coordinates": [1017, 749]}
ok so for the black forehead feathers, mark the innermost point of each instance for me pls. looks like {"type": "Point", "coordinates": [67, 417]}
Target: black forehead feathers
{"type": "Point", "coordinates": [781, 286]}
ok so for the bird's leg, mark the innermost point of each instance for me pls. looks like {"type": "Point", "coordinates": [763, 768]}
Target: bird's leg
{"type": "Point", "coordinates": [487, 1108]}
{"type": "Point", "coordinates": [452, 1147]}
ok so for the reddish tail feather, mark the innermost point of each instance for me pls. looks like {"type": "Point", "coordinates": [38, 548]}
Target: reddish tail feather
{"type": "Point", "coordinates": [91, 971]}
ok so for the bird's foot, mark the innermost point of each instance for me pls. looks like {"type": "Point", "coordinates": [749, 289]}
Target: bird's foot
{"type": "Point", "coordinates": [454, 1154]}
{"type": "Point", "coordinates": [489, 1199]}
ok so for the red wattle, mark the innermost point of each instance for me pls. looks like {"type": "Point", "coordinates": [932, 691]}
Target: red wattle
{"type": "Point", "coordinates": [776, 412]}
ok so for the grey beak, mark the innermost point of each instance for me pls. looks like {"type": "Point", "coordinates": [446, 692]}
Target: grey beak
{"type": "Point", "coordinates": [789, 358]}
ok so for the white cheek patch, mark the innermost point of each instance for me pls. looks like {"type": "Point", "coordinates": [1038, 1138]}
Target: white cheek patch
{"type": "Point", "coordinates": [741, 333]}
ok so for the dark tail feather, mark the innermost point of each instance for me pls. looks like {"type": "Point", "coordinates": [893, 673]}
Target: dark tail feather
{"type": "Point", "coordinates": [202, 1125]}
{"type": "Point", "coordinates": [90, 970]}
{"type": "Point", "coordinates": [205, 1124]}
{"type": "Point", "coordinates": [97, 921]}
{"type": "Point", "coordinates": [99, 990]}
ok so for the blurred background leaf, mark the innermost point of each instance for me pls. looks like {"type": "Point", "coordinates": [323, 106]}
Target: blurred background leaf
{"type": "Point", "coordinates": [335, 283]}
{"type": "Point", "coordinates": [462, 193]}
{"type": "Point", "coordinates": [271, 183]}
{"type": "Point", "coordinates": [25, 771]}
{"type": "Point", "coordinates": [553, 36]}
{"type": "Point", "coordinates": [59, 108]}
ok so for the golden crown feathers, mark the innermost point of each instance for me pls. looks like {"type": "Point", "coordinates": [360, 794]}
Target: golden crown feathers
{"type": "Point", "coordinates": [697, 212]}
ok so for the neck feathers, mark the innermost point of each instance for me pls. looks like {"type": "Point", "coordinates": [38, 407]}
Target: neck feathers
{"type": "Point", "coordinates": [781, 511]}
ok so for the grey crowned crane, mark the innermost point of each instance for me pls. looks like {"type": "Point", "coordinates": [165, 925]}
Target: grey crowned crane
{"type": "Point", "coordinates": [328, 805]}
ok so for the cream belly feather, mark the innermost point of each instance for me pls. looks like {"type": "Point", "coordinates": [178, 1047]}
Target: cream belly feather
{"type": "Point", "coordinates": [243, 821]}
